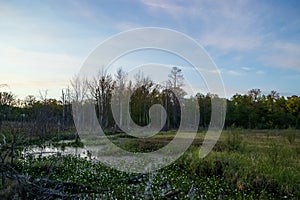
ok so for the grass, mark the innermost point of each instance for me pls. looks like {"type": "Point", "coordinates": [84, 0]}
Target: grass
{"type": "Point", "coordinates": [244, 164]}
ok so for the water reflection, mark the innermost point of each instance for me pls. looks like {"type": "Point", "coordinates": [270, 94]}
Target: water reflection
{"type": "Point", "coordinates": [50, 150]}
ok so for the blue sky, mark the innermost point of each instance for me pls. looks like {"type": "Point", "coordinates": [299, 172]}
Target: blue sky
{"type": "Point", "coordinates": [255, 44]}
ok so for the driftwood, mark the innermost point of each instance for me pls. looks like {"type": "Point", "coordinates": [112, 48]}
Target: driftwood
{"type": "Point", "coordinates": [44, 188]}
{"type": "Point", "coordinates": [29, 187]}
{"type": "Point", "coordinates": [172, 194]}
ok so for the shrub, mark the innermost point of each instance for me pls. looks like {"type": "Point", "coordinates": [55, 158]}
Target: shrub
{"type": "Point", "coordinates": [234, 140]}
{"type": "Point", "coordinates": [291, 135]}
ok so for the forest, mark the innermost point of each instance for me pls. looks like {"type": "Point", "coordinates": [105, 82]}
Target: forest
{"type": "Point", "coordinates": [257, 156]}
{"type": "Point", "coordinates": [253, 110]}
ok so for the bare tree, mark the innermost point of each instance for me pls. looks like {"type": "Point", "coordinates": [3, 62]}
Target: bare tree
{"type": "Point", "coordinates": [121, 79]}
{"type": "Point", "coordinates": [174, 94]}
{"type": "Point", "coordinates": [3, 85]}
{"type": "Point", "coordinates": [79, 89]}
{"type": "Point", "coordinates": [101, 89]}
{"type": "Point", "coordinates": [43, 96]}
{"type": "Point", "coordinates": [128, 93]}
{"type": "Point", "coordinates": [77, 95]}
{"type": "Point", "coordinates": [6, 98]}
{"type": "Point", "coordinates": [42, 119]}
{"type": "Point", "coordinates": [176, 78]}
{"type": "Point", "coordinates": [255, 94]}
{"type": "Point", "coordinates": [176, 81]}
{"type": "Point", "coordinates": [29, 101]}
{"type": "Point", "coordinates": [7, 147]}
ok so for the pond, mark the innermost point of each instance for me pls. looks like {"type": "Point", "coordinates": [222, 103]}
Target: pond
{"type": "Point", "coordinates": [50, 150]}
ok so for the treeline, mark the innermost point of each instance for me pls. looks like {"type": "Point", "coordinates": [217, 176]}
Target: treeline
{"type": "Point", "coordinates": [257, 110]}
{"type": "Point", "coordinates": [37, 117]}
{"type": "Point", "coordinates": [253, 110]}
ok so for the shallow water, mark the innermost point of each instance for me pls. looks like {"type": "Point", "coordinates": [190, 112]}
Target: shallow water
{"type": "Point", "coordinates": [49, 150]}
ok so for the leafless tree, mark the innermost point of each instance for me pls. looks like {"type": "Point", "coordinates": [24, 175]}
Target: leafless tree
{"type": "Point", "coordinates": [7, 98]}
{"type": "Point", "coordinates": [175, 94]}
{"type": "Point", "coordinates": [255, 94]}
{"type": "Point", "coordinates": [128, 93]}
{"type": "Point", "coordinates": [101, 88]}
{"type": "Point", "coordinates": [29, 101]}
{"type": "Point", "coordinates": [121, 79]}
{"type": "Point", "coordinates": [7, 146]}
{"type": "Point", "coordinates": [3, 85]}
{"type": "Point", "coordinates": [79, 89]}
{"type": "Point", "coordinates": [176, 78]}
{"type": "Point", "coordinates": [78, 94]}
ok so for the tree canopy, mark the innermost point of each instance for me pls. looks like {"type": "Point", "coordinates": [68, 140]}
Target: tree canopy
{"type": "Point", "coordinates": [252, 110]}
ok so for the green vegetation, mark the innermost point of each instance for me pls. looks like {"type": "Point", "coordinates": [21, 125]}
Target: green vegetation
{"type": "Point", "coordinates": [257, 156]}
{"type": "Point", "coordinates": [252, 110]}
{"type": "Point", "coordinates": [245, 164]}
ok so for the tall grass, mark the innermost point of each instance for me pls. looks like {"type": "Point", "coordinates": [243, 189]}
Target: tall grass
{"type": "Point", "coordinates": [245, 164]}
{"type": "Point", "coordinates": [267, 166]}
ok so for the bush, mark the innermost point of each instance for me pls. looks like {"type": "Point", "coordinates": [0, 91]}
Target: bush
{"type": "Point", "coordinates": [291, 135]}
{"type": "Point", "coordinates": [234, 140]}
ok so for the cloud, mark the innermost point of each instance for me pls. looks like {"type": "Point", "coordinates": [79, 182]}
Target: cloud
{"type": "Point", "coordinates": [24, 70]}
{"type": "Point", "coordinates": [234, 72]}
{"type": "Point", "coordinates": [39, 43]}
{"type": "Point", "coordinates": [82, 9]}
{"type": "Point", "coordinates": [259, 72]}
{"type": "Point", "coordinates": [168, 6]}
{"type": "Point", "coordinates": [224, 41]}
{"type": "Point", "coordinates": [124, 25]}
{"type": "Point", "coordinates": [283, 54]}
{"type": "Point", "coordinates": [230, 25]}
{"type": "Point", "coordinates": [243, 71]}
{"type": "Point", "coordinates": [160, 5]}
{"type": "Point", "coordinates": [238, 26]}
{"type": "Point", "coordinates": [16, 59]}
{"type": "Point", "coordinates": [52, 28]}
{"type": "Point", "coordinates": [247, 68]}
{"type": "Point", "coordinates": [9, 12]}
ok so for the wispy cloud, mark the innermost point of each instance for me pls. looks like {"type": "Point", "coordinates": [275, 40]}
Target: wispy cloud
{"type": "Point", "coordinates": [243, 71]}
{"type": "Point", "coordinates": [15, 59]}
{"type": "Point", "coordinates": [234, 72]}
{"type": "Point", "coordinates": [224, 41]}
{"type": "Point", "coordinates": [284, 55]}
{"type": "Point", "coordinates": [223, 25]}
{"type": "Point", "coordinates": [233, 26]}
{"type": "Point", "coordinates": [238, 26]}
{"type": "Point", "coordinates": [247, 68]}
{"type": "Point", "coordinates": [259, 72]}
{"type": "Point", "coordinates": [167, 6]}
{"type": "Point", "coordinates": [22, 69]}
{"type": "Point", "coordinates": [246, 38]}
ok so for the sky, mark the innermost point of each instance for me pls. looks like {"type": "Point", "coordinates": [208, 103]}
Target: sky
{"type": "Point", "coordinates": [254, 44]}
